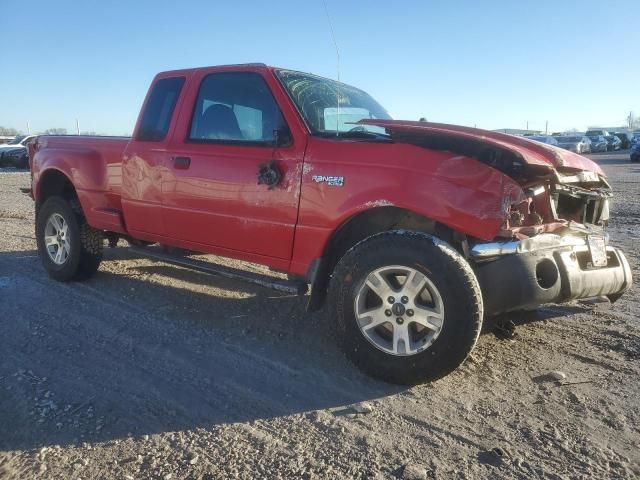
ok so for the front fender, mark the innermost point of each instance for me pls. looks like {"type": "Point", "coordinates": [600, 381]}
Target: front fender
{"type": "Point", "coordinates": [460, 192]}
{"type": "Point", "coordinates": [457, 191]}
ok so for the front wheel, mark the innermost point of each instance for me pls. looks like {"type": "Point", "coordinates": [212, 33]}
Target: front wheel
{"type": "Point", "coordinates": [407, 307]}
{"type": "Point", "coordinates": [70, 249]}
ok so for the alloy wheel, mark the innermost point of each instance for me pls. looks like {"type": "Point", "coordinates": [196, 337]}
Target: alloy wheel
{"type": "Point", "coordinates": [56, 239]}
{"type": "Point", "coordinates": [399, 310]}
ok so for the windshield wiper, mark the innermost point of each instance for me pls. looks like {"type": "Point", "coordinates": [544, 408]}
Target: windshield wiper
{"type": "Point", "coordinates": [364, 134]}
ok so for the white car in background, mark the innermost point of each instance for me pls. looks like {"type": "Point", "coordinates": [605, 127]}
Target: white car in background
{"type": "Point", "coordinates": [575, 143]}
{"type": "Point", "coordinates": [17, 142]}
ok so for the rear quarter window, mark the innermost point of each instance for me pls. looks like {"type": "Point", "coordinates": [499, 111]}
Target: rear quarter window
{"type": "Point", "coordinates": [157, 114]}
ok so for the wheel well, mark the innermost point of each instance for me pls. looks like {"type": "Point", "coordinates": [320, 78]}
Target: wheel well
{"type": "Point", "coordinates": [57, 183]}
{"type": "Point", "coordinates": [362, 226]}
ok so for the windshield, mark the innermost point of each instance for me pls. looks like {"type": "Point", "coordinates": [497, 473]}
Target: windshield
{"type": "Point", "coordinates": [317, 101]}
{"type": "Point", "coordinates": [16, 140]}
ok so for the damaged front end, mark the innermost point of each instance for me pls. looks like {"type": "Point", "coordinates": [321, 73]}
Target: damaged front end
{"type": "Point", "coordinates": [558, 202]}
{"type": "Point", "coordinates": [552, 246]}
{"type": "Point", "coordinates": [548, 268]}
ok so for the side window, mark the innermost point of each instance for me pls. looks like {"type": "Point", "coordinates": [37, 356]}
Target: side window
{"type": "Point", "coordinates": [159, 110]}
{"type": "Point", "coordinates": [235, 107]}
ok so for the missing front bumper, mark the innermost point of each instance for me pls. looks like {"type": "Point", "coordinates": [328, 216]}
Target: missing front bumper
{"type": "Point", "coordinates": [516, 276]}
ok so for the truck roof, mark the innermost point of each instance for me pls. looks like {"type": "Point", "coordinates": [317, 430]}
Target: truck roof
{"type": "Point", "coordinates": [242, 66]}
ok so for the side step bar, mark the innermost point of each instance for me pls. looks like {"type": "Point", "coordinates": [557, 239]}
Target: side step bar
{"type": "Point", "coordinates": [291, 287]}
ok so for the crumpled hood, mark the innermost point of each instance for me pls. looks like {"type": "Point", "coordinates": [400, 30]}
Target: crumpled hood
{"type": "Point", "coordinates": [531, 152]}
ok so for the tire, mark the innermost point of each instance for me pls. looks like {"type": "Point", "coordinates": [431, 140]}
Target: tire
{"type": "Point", "coordinates": [82, 257]}
{"type": "Point", "coordinates": [448, 276]}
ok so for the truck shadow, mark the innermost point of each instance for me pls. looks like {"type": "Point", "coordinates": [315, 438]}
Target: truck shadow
{"type": "Point", "coordinates": [129, 353]}
{"type": "Point", "coordinates": [504, 326]}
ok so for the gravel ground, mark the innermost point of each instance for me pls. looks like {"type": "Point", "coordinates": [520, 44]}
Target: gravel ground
{"type": "Point", "coordinates": [149, 371]}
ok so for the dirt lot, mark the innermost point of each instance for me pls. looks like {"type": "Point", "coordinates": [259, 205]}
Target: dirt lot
{"type": "Point", "coordinates": [148, 371]}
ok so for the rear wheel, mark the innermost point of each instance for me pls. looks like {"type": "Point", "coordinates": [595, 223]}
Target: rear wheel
{"type": "Point", "coordinates": [69, 248]}
{"type": "Point", "coordinates": [407, 307]}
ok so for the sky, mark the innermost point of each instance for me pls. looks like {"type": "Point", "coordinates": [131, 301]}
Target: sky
{"type": "Point", "coordinates": [491, 64]}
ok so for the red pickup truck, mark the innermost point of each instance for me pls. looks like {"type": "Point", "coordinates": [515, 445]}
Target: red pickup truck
{"type": "Point", "coordinates": [413, 231]}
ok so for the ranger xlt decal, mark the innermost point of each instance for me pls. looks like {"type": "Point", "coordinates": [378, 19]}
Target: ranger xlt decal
{"type": "Point", "coordinates": [331, 181]}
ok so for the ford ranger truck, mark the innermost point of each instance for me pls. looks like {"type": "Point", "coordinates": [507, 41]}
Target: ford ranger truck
{"type": "Point", "coordinates": [410, 232]}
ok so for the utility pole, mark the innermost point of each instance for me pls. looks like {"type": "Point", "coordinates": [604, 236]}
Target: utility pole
{"type": "Point", "coordinates": [527, 126]}
{"type": "Point", "coordinates": [546, 127]}
{"type": "Point", "coordinates": [77, 126]}
{"type": "Point", "coordinates": [28, 128]}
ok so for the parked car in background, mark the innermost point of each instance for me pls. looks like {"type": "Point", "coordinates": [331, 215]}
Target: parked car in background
{"type": "Point", "coordinates": [595, 132]}
{"type": "Point", "coordinates": [635, 138]}
{"type": "Point", "coordinates": [19, 140]}
{"type": "Point", "coordinates": [613, 143]}
{"type": "Point", "coordinates": [625, 138]}
{"type": "Point", "coordinates": [635, 152]}
{"type": "Point", "coordinates": [598, 142]}
{"type": "Point", "coordinates": [14, 153]}
{"type": "Point", "coordinates": [548, 139]}
{"type": "Point", "coordinates": [15, 157]}
{"type": "Point", "coordinates": [575, 143]}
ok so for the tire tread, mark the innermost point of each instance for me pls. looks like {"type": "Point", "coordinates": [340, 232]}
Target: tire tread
{"type": "Point", "coordinates": [90, 241]}
{"type": "Point", "coordinates": [385, 242]}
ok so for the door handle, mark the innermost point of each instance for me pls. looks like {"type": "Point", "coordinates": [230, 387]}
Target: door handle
{"type": "Point", "coordinates": [181, 163]}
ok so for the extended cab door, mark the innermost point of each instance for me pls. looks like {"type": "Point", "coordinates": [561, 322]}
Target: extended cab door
{"type": "Point", "coordinates": [211, 195]}
{"type": "Point", "coordinates": [145, 157]}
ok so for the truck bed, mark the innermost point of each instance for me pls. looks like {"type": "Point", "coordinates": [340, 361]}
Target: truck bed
{"type": "Point", "coordinates": [98, 183]}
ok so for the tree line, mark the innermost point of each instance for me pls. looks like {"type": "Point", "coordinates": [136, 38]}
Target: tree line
{"type": "Point", "coordinates": [50, 131]}
{"type": "Point", "coordinates": [11, 132]}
